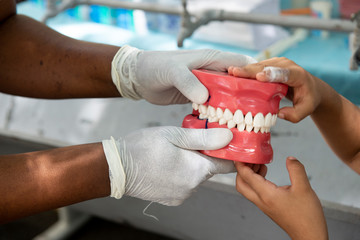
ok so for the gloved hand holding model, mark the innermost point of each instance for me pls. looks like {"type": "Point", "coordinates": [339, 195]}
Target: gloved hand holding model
{"type": "Point", "coordinates": [165, 77]}
{"type": "Point", "coordinates": [158, 164]}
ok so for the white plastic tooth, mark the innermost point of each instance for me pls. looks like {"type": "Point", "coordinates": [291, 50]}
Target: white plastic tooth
{"type": "Point", "coordinates": [273, 119]}
{"type": "Point", "coordinates": [219, 112]}
{"type": "Point", "coordinates": [267, 130]}
{"type": "Point", "coordinates": [195, 106]}
{"type": "Point", "coordinates": [203, 109]}
{"type": "Point", "coordinates": [259, 120]}
{"type": "Point", "coordinates": [222, 121]}
{"type": "Point", "coordinates": [248, 119]}
{"type": "Point", "coordinates": [268, 120]}
{"type": "Point", "coordinates": [263, 129]}
{"type": "Point", "coordinates": [213, 119]}
{"type": "Point", "coordinates": [249, 127]}
{"type": "Point", "coordinates": [211, 111]}
{"type": "Point", "coordinates": [202, 116]}
{"type": "Point", "coordinates": [231, 124]}
{"type": "Point", "coordinates": [256, 129]}
{"type": "Point", "coordinates": [238, 117]}
{"type": "Point", "coordinates": [228, 115]}
{"type": "Point", "coordinates": [241, 127]}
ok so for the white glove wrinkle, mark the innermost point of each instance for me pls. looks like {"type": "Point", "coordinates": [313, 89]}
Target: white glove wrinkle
{"type": "Point", "coordinates": [156, 166]}
{"type": "Point", "coordinates": [122, 71]}
{"type": "Point", "coordinates": [116, 170]}
{"type": "Point", "coordinates": [164, 77]}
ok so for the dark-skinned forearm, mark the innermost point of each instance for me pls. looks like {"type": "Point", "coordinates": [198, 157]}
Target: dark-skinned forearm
{"type": "Point", "coordinates": [39, 181]}
{"type": "Point", "coordinates": [338, 121]}
{"type": "Point", "coordinates": [36, 61]}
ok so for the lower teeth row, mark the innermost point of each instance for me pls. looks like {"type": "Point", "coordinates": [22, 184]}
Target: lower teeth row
{"type": "Point", "coordinates": [258, 123]}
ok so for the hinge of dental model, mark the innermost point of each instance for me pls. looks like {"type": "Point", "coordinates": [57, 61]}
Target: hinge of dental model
{"type": "Point", "coordinates": [257, 123]}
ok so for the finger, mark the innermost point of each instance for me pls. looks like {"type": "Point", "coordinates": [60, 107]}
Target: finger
{"type": "Point", "coordinates": [221, 61]}
{"type": "Point", "coordinates": [262, 170]}
{"type": "Point", "coordinates": [255, 181]}
{"type": "Point", "coordinates": [221, 166]}
{"type": "Point", "coordinates": [299, 111]}
{"type": "Point", "coordinates": [230, 70]}
{"type": "Point", "coordinates": [243, 188]}
{"type": "Point", "coordinates": [248, 71]}
{"type": "Point", "coordinates": [297, 174]}
{"type": "Point", "coordinates": [199, 139]}
{"type": "Point", "coordinates": [274, 74]}
{"type": "Point", "coordinates": [189, 85]}
{"type": "Point", "coordinates": [256, 168]}
{"type": "Point", "coordinates": [209, 165]}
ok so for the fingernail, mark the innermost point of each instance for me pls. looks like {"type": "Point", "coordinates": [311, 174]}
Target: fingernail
{"type": "Point", "coordinates": [292, 158]}
{"type": "Point", "coordinates": [281, 115]}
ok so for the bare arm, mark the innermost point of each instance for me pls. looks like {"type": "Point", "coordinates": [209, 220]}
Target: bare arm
{"type": "Point", "coordinates": [337, 118]}
{"type": "Point", "coordinates": [36, 61]}
{"type": "Point", "coordinates": [339, 122]}
{"type": "Point", "coordinates": [44, 180]}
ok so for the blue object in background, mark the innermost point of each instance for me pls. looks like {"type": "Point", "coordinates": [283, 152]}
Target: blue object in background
{"type": "Point", "coordinates": [94, 13]}
{"type": "Point", "coordinates": [74, 12]}
{"type": "Point", "coordinates": [125, 19]}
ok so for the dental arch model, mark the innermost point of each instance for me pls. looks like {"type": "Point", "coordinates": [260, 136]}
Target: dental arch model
{"type": "Point", "coordinates": [247, 107]}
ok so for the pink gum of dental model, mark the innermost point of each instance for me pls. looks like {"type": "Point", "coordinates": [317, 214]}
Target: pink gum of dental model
{"type": "Point", "coordinates": [248, 95]}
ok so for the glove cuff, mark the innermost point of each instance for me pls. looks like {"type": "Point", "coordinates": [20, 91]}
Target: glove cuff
{"type": "Point", "coordinates": [122, 71]}
{"type": "Point", "coordinates": [116, 170]}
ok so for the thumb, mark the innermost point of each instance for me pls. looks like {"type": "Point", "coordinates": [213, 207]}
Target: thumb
{"type": "Point", "coordinates": [186, 82]}
{"type": "Point", "coordinates": [200, 139]}
{"type": "Point", "coordinates": [223, 60]}
{"type": "Point", "coordinates": [297, 173]}
{"type": "Point", "coordinates": [297, 112]}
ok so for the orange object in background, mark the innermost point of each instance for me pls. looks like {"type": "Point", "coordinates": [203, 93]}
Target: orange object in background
{"type": "Point", "coordinates": [296, 11]}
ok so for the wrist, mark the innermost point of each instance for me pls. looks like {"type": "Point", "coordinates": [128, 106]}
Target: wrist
{"type": "Point", "coordinates": [123, 71]}
{"type": "Point", "coordinates": [116, 170]}
{"type": "Point", "coordinates": [328, 98]}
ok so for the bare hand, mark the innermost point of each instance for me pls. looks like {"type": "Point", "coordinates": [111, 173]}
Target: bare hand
{"type": "Point", "coordinates": [304, 88]}
{"type": "Point", "coordinates": [295, 208]}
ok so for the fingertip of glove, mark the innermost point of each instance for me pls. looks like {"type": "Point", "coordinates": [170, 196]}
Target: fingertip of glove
{"type": "Point", "coordinates": [200, 95]}
{"type": "Point", "coordinates": [220, 137]}
{"type": "Point", "coordinates": [251, 60]}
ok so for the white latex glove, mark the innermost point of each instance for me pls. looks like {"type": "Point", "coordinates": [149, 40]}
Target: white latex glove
{"type": "Point", "coordinates": [164, 77]}
{"type": "Point", "coordinates": [161, 165]}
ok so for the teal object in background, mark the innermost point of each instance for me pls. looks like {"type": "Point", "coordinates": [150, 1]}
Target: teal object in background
{"type": "Point", "coordinates": [328, 59]}
{"type": "Point", "coordinates": [288, 4]}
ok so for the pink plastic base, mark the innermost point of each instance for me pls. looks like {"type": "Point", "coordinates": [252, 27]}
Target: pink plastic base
{"type": "Point", "coordinates": [247, 95]}
{"type": "Point", "coordinates": [245, 146]}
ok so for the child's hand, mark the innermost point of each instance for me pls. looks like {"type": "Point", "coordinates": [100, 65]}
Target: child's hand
{"type": "Point", "coordinates": [295, 208]}
{"type": "Point", "coordinates": [304, 89]}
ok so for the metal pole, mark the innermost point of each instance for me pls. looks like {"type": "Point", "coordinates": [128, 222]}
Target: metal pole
{"type": "Point", "coordinates": [291, 21]}
{"type": "Point", "coordinates": [148, 7]}
{"type": "Point", "coordinates": [220, 15]}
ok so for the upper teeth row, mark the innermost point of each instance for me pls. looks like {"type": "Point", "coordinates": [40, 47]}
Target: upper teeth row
{"type": "Point", "coordinates": [238, 119]}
